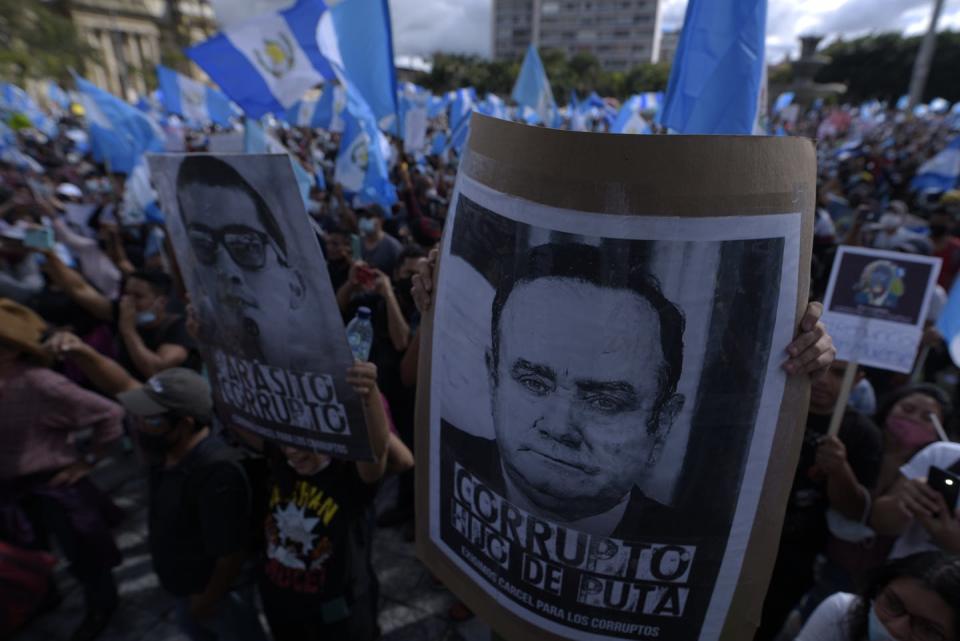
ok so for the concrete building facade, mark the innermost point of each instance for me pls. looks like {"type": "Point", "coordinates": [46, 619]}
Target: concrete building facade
{"type": "Point", "coordinates": [130, 37]}
{"type": "Point", "coordinates": [620, 33]}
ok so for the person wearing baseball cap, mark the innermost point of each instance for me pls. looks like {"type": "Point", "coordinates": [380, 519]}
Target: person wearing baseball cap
{"type": "Point", "coordinates": [199, 506]}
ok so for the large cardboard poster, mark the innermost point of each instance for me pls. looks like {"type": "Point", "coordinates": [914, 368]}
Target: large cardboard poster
{"type": "Point", "coordinates": [604, 399]}
{"type": "Point", "coordinates": [876, 305]}
{"type": "Point", "coordinates": [273, 338]}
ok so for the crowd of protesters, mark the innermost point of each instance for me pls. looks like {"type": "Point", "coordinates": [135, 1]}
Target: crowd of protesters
{"type": "Point", "coordinates": [99, 355]}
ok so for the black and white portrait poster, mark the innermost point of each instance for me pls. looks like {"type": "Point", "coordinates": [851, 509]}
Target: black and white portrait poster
{"type": "Point", "coordinates": [876, 305]}
{"type": "Point", "coordinates": [272, 335]}
{"type": "Point", "coordinates": [604, 395]}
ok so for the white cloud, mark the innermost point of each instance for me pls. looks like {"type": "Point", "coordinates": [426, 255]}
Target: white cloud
{"type": "Point", "coordinates": [425, 26]}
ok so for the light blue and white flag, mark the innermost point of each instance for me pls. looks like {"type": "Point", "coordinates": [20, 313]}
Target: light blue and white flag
{"type": "Point", "coordinates": [461, 104]}
{"type": "Point", "coordinates": [16, 100]}
{"type": "Point", "coordinates": [948, 323]}
{"type": "Point", "coordinates": [193, 100]}
{"type": "Point", "coordinates": [783, 101]}
{"type": "Point", "coordinates": [439, 143]}
{"type": "Point", "coordinates": [493, 106]}
{"type": "Point", "coordinates": [903, 102]}
{"type": "Point", "coordinates": [361, 166]}
{"type": "Point", "coordinates": [459, 134]}
{"type": "Point", "coordinates": [939, 105]}
{"type": "Point", "coordinates": [325, 112]}
{"type": "Point", "coordinates": [718, 69]}
{"type": "Point", "coordinates": [940, 173]}
{"type": "Point", "coordinates": [269, 62]}
{"type": "Point", "coordinates": [58, 96]}
{"type": "Point", "coordinates": [119, 133]}
{"type": "Point", "coordinates": [256, 140]}
{"type": "Point", "coordinates": [532, 88]}
{"type": "Point", "coordinates": [436, 106]}
{"type": "Point", "coordinates": [413, 116]}
{"type": "Point", "coordinates": [356, 35]}
{"type": "Point", "coordinates": [629, 120]}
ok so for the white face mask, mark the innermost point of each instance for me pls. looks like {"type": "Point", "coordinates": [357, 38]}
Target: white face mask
{"type": "Point", "coordinates": [876, 631]}
{"type": "Point", "coordinates": [367, 226]}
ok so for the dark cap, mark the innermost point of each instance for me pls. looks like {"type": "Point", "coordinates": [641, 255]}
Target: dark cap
{"type": "Point", "coordinates": [177, 390]}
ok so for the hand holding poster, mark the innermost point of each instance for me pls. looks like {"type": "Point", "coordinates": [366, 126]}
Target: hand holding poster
{"type": "Point", "coordinates": [600, 390]}
{"type": "Point", "coordinates": [272, 334]}
{"type": "Point", "coordinates": [876, 305]}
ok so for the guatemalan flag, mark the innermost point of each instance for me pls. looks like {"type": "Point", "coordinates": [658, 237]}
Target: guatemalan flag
{"type": "Point", "coordinates": [629, 120]}
{"type": "Point", "coordinates": [325, 112]}
{"type": "Point", "coordinates": [414, 102]}
{"type": "Point", "coordinates": [532, 88]}
{"type": "Point", "coordinates": [718, 73]}
{"type": "Point", "coordinates": [193, 100]}
{"type": "Point", "coordinates": [940, 173]}
{"type": "Point", "coordinates": [361, 166]}
{"type": "Point", "coordinates": [119, 133]}
{"type": "Point", "coordinates": [268, 63]}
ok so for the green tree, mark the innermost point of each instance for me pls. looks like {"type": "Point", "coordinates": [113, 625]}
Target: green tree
{"type": "Point", "coordinates": [580, 72]}
{"type": "Point", "coordinates": [37, 41]}
{"type": "Point", "coordinates": [879, 66]}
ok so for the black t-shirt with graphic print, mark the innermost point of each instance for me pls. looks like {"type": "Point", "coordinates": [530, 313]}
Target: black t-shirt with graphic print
{"type": "Point", "coordinates": [318, 541]}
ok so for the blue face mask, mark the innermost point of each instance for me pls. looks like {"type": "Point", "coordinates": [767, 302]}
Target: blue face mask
{"type": "Point", "coordinates": [367, 226]}
{"type": "Point", "coordinates": [145, 318]}
{"type": "Point", "coordinates": [876, 631]}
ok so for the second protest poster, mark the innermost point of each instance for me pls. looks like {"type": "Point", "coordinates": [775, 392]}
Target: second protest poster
{"type": "Point", "coordinates": [606, 423]}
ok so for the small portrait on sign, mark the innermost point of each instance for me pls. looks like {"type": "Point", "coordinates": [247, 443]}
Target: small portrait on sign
{"type": "Point", "coordinates": [888, 288]}
{"type": "Point", "coordinates": [880, 284]}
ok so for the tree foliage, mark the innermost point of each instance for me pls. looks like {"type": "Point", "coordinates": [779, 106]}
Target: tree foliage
{"type": "Point", "coordinates": [880, 66]}
{"type": "Point", "coordinates": [37, 41]}
{"type": "Point", "coordinates": [581, 72]}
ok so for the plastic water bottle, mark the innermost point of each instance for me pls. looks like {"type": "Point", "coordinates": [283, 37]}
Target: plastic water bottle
{"type": "Point", "coordinates": [360, 334]}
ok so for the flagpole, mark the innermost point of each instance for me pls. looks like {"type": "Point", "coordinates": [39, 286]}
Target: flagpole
{"type": "Point", "coordinates": [921, 66]}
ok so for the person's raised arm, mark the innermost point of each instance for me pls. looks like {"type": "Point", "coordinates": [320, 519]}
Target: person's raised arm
{"type": "Point", "coordinates": [844, 491]}
{"type": "Point", "coordinates": [397, 325]}
{"type": "Point", "coordinates": [362, 376]}
{"type": "Point", "coordinates": [77, 288]}
{"type": "Point", "coordinates": [147, 361]}
{"type": "Point", "coordinates": [350, 287]}
{"type": "Point", "coordinates": [105, 373]}
{"type": "Point", "coordinates": [893, 512]}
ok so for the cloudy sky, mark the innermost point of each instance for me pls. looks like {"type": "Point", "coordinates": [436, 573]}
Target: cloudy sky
{"type": "Point", "coordinates": [424, 26]}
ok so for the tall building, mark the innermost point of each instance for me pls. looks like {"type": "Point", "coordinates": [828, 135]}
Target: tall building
{"type": "Point", "coordinates": [130, 37]}
{"type": "Point", "coordinates": [620, 33]}
{"type": "Point", "coordinates": [668, 45]}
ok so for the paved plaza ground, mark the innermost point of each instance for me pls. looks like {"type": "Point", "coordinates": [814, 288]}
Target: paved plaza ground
{"type": "Point", "coordinates": [413, 607]}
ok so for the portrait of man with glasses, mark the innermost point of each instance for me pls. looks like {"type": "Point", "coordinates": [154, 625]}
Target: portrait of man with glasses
{"type": "Point", "coordinates": [241, 256]}
{"type": "Point", "coordinates": [267, 319]}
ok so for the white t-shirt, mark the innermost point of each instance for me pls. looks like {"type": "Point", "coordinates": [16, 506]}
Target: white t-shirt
{"type": "Point", "coordinates": [942, 455]}
{"type": "Point", "coordinates": [829, 622]}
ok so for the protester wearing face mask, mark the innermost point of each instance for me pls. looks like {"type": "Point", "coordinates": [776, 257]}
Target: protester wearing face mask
{"type": "Point", "coordinates": [853, 548]}
{"type": "Point", "coordinates": [149, 337]}
{"type": "Point", "coordinates": [44, 480]}
{"type": "Point", "coordinates": [318, 582]}
{"type": "Point", "coordinates": [916, 598]}
{"type": "Point", "coordinates": [199, 508]}
{"type": "Point", "coordinates": [379, 250]}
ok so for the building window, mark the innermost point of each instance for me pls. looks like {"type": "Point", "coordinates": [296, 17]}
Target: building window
{"type": "Point", "coordinates": [550, 8]}
{"type": "Point", "coordinates": [586, 35]}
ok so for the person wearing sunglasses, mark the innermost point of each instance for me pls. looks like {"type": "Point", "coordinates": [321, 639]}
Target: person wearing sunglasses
{"type": "Point", "coordinates": [915, 598]}
{"type": "Point", "coordinates": [242, 268]}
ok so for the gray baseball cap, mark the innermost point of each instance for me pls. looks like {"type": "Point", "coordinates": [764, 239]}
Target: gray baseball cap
{"type": "Point", "coordinates": [177, 390]}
